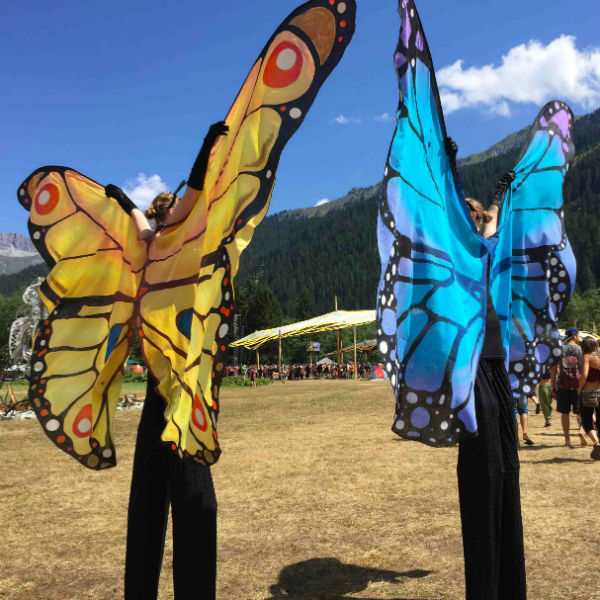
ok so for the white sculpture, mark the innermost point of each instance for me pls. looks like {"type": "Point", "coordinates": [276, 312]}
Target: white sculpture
{"type": "Point", "coordinates": [24, 328]}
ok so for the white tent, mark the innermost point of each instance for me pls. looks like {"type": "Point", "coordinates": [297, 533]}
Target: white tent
{"type": "Point", "coordinates": [325, 361]}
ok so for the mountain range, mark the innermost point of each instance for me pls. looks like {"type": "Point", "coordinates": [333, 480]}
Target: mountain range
{"type": "Point", "coordinates": [16, 253]}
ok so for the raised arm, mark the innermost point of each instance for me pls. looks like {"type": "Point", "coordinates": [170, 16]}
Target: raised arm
{"type": "Point", "coordinates": [141, 223]}
{"type": "Point", "coordinates": [195, 182]}
{"type": "Point", "coordinates": [494, 210]}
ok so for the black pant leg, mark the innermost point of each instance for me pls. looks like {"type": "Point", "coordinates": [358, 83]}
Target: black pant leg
{"type": "Point", "coordinates": [488, 484]}
{"type": "Point", "coordinates": [480, 477]}
{"type": "Point", "coordinates": [148, 504]}
{"type": "Point", "coordinates": [194, 511]}
{"type": "Point", "coordinates": [512, 584]}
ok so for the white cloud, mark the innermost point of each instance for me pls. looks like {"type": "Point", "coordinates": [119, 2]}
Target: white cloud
{"type": "Point", "coordinates": [383, 118]}
{"type": "Point", "coordinates": [322, 202]}
{"type": "Point", "coordinates": [144, 189]}
{"type": "Point", "coordinates": [343, 120]}
{"type": "Point", "coordinates": [529, 73]}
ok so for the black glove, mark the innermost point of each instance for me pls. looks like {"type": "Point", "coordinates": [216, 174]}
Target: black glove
{"type": "Point", "coordinates": [451, 150]}
{"type": "Point", "coordinates": [503, 184]}
{"type": "Point", "coordinates": [112, 191]}
{"type": "Point", "coordinates": [217, 129]}
{"type": "Point", "coordinates": [198, 172]}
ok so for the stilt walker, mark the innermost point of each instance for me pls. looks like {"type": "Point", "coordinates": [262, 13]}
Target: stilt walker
{"type": "Point", "coordinates": [456, 310]}
{"type": "Point", "coordinates": [113, 277]}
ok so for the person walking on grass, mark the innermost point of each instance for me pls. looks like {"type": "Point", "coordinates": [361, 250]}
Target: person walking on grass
{"type": "Point", "coordinates": [565, 380]}
{"type": "Point", "coordinates": [544, 393]}
{"type": "Point", "coordinates": [522, 414]}
{"type": "Point", "coordinates": [589, 392]}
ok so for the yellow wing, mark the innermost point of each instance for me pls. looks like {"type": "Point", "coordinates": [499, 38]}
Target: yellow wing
{"type": "Point", "coordinates": [187, 302]}
{"type": "Point", "coordinates": [95, 259]}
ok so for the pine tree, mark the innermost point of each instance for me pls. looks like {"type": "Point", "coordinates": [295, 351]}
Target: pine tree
{"type": "Point", "coordinates": [305, 306]}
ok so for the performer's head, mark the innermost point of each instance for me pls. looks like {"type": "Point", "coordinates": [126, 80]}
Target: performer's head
{"type": "Point", "coordinates": [478, 214]}
{"type": "Point", "coordinates": [589, 346]}
{"type": "Point", "coordinates": [161, 207]}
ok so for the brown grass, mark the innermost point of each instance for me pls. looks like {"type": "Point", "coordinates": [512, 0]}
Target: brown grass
{"type": "Point", "coordinates": [316, 497]}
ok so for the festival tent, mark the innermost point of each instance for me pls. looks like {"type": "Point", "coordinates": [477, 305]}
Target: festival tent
{"type": "Point", "coordinates": [339, 319]}
{"type": "Point", "coordinates": [336, 320]}
{"type": "Point", "coordinates": [325, 361]}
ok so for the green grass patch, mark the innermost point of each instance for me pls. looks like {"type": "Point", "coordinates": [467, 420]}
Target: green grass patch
{"type": "Point", "coordinates": [243, 382]}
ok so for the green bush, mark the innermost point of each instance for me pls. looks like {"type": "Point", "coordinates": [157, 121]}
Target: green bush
{"type": "Point", "coordinates": [243, 382]}
{"type": "Point", "coordinates": [227, 381]}
{"type": "Point", "coordinates": [135, 377]}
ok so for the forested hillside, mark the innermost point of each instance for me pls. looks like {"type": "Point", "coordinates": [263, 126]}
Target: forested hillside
{"type": "Point", "coordinates": [335, 253]}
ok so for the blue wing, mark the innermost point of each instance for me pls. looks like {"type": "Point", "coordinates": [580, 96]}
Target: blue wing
{"type": "Point", "coordinates": [432, 293]}
{"type": "Point", "coordinates": [532, 289]}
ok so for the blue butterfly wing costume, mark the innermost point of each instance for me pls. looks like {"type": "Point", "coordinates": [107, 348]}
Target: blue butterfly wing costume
{"type": "Point", "coordinates": [432, 295]}
{"type": "Point", "coordinates": [533, 251]}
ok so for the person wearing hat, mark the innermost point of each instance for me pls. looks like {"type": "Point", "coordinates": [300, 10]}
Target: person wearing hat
{"type": "Point", "coordinates": [565, 380]}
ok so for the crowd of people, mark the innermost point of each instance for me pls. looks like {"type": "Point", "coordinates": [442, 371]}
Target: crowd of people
{"type": "Point", "coordinates": [300, 371]}
{"type": "Point", "coordinates": [575, 385]}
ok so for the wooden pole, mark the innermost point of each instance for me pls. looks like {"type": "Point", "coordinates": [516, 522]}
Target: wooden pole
{"type": "Point", "coordinates": [257, 360]}
{"type": "Point", "coordinates": [280, 365]}
{"type": "Point", "coordinates": [11, 393]}
{"type": "Point", "coordinates": [338, 347]}
{"type": "Point", "coordinates": [355, 357]}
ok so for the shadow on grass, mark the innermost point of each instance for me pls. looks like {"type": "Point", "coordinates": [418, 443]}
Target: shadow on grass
{"type": "Point", "coordinates": [330, 579]}
{"type": "Point", "coordinates": [559, 461]}
{"type": "Point", "coordinates": [536, 446]}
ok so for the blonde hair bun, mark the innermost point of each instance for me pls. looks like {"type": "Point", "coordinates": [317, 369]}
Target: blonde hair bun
{"type": "Point", "coordinates": [159, 209]}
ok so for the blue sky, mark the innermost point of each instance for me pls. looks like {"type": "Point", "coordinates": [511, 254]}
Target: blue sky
{"type": "Point", "coordinates": [118, 88]}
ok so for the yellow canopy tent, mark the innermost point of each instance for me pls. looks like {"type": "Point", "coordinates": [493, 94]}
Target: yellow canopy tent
{"type": "Point", "coordinates": [336, 320]}
{"type": "Point", "coordinates": [339, 319]}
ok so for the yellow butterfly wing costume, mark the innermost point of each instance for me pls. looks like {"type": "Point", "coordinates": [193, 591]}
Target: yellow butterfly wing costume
{"type": "Point", "coordinates": [78, 354]}
{"type": "Point", "coordinates": [175, 291]}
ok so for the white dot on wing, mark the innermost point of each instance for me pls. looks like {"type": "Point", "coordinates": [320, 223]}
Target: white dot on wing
{"type": "Point", "coordinates": [52, 425]}
{"type": "Point", "coordinates": [287, 59]}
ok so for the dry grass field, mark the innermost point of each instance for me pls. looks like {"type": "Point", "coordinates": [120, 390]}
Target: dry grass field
{"type": "Point", "coordinates": [317, 500]}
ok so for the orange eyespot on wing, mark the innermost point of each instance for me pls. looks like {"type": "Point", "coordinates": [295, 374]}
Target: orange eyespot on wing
{"type": "Point", "coordinates": [288, 72]}
{"type": "Point", "coordinates": [284, 65]}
